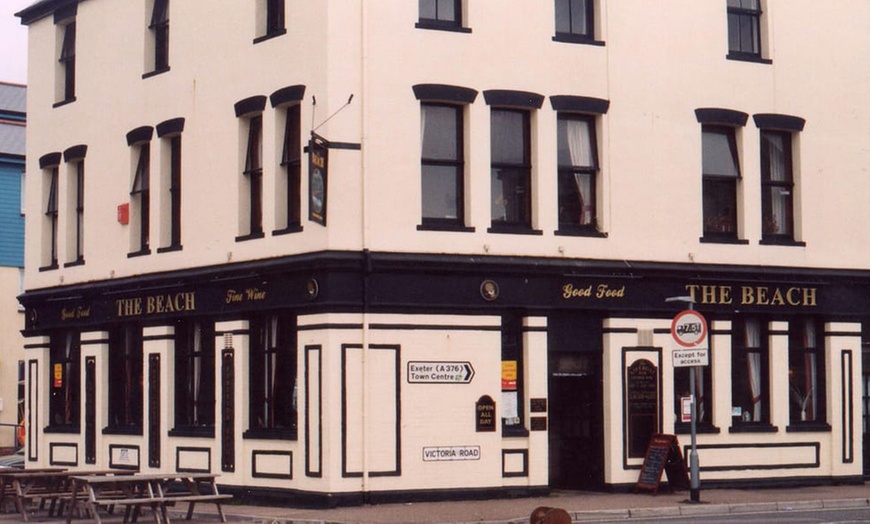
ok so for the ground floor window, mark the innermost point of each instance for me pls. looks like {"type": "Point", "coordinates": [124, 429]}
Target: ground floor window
{"type": "Point", "coordinates": [750, 386]}
{"type": "Point", "coordinates": [65, 380]}
{"type": "Point", "coordinates": [194, 375]}
{"type": "Point", "coordinates": [125, 379]}
{"type": "Point", "coordinates": [806, 373]}
{"type": "Point", "coordinates": [272, 380]}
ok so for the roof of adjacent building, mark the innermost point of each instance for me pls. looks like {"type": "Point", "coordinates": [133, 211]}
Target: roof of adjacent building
{"type": "Point", "coordinates": [13, 99]}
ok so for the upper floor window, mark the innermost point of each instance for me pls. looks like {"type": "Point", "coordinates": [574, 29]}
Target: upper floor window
{"type": "Point", "coordinates": [271, 19]}
{"type": "Point", "coordinates": [50, 165]}
{"type": "Point", "coordinates": [66, 85]}
{"type": "Point", "coordinates": [65, 379]}
{"type": "Point", "coordinates": [442, 164]}
{"type": "Point", "coordinates": [288, 191]}
{"type": "Point", "coordinates": [778, 184]}
{"type": "Point", "coordinates": [169, 132]}
{"type": "Point", "coordinates": [441, 14]}
{"type": "Point", "coordinates": [250, 111]}
{"type": "Point", "coordinates": [159, 36]}
{"type": "Point", "coordinates": [575, 21]}
{"type": "Point", "coordinates": [578, 170]}
{"type": "Point", "coordinates": [511, 171]}
{"type": "Point", "coordinates": [75, 157]}
{"type": "Point", "coordinates": [140, 192]}
{"type": "Point", "coordinates": [745, 30]}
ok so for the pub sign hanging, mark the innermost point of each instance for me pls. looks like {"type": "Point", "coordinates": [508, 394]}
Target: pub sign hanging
{"type": "Point", "coordinates": [318, 163]}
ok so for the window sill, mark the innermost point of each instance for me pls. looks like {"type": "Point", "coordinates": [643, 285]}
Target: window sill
{"type": "Point", "coordinates": [295, 228]}
{"type": "Point", "coordinates": [684, 428]}
{"type": "Point", "coordinates": [271, 434]}
{"type": "Point", "coordinates": [514, 230]}
{"type": "Point", "coordinates": [250, 236]}
{"type": "Point", "coordinates": [201, 432]}
{"type": "Point", "coordinates": [744, 57]}
{"type": "Point", "coordinates": [458, 228]}
{"type": "Point", "coordinates": [74, 263]}
{"type": "Point", "coordinates": [577, 39]}
{"type": "Point", "coordinates": [129, 430]}
{"type": "Point", "coordinates": [441, 26]}
{"type": "Point", "coordinates": [756, 427]}
{"type": "Point", "coordinates": [269, 36]}
{"type": "Point", "coordinates": [781, 242]}
{"type": "Point", "coordinates": [723, 240]}
{"type": "Point", "coordinates": [52, 267]}
{"type": "Point", "coordinates": [62, 429]}
{"type": "Point", "coordinates": [155, 73]}
{"type": "Point", "coordinates": [579, 231]}
{"type": "Point", "coordinates": [139, 253]}
{"type": "Point", "coordinates": [169, 249]}
{"type": "Point", "coordinates": [64, 102]}
{"type": "Point", "coordinates": [808, 427]}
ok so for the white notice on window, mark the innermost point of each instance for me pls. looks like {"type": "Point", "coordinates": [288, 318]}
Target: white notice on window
{"type": "Point", "coordinates": [509, 407]}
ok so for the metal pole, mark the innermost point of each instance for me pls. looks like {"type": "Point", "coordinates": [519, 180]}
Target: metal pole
{"type": "Point", "coordinates": [694, 479]}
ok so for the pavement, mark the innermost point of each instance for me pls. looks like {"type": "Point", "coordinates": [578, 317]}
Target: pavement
{"type": "Point", "coordinates": [583, 506]}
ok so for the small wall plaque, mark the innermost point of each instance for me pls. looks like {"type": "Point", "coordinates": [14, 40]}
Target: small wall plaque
{"type": "Point", "coordinates": [538, 405]}
{"type": "Point", "coordinates": [485, 414]}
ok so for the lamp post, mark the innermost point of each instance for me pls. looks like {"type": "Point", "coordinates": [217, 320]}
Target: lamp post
{"type": "Point", "coordinates": [694, 480]}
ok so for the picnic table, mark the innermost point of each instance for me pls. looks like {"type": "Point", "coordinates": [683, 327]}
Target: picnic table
{"type": "Point", "coordinates": [156, 491]}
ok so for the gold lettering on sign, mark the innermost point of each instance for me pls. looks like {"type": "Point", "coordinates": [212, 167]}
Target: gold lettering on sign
{"type": "Point", "coordinates": [599, 292]}
{"type": "Point", "coordinates": [719, 295]}
{"type": "Point", "coordinates": [251, 294]}
{"type": "Point", "coordinates": [156, 304]}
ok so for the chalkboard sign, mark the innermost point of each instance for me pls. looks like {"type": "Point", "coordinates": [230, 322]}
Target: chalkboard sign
{"type": "Point", "coordinates": [663, 455]}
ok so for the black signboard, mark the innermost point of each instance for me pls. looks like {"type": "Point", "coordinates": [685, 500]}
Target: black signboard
{"type": "Point", "coordinates": [642, 405]}
{"type": "Point", "coordinates": [485, 414]}
{"type": "Point", "coordinates": [318, 167]}
{"type": "Point", "coordinates": [663, 455]}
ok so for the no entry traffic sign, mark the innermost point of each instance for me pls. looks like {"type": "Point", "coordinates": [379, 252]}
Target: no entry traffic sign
{"type": "Point", "coordinates": [689, 329]}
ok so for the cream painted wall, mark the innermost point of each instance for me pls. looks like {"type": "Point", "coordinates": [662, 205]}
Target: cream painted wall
{"type": "Point", "coordinates": [11, 351]}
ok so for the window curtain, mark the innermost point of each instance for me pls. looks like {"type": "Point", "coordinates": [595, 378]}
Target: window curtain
{"type": "Point", "coordinates": [753, 363]}
{"type": "Point", "coordinates": [578, 146]}
{"type": "Point", "coordinates": [811, 372]}
{"type": "Point", "coordinates": [271, 365]}
{"type": "Point", "coordinates": [699, 393]}
{"type": "Point", "coordinates": [197, 371]}
{"type": "Point", "coordinates": [779, 195]}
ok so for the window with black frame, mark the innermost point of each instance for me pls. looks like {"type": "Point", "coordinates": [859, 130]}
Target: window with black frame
{"type": "Point", "coordinates": [125, 386]}
{"type": "Point", "coordinates": [703, 396]}
{"type": "Point", "coordinates": [511, 170]}
{"type": "Point", "coordinates": [253, 174]}
{"type": "Point", "coordinates": [272, 366]}
{"type": "Point", "coordinates": [750, 382]}
{"type": "Point", "coordinates": [578, 171]}
{"type": "Point", "coordinates": [291, 163]}
{"type": "Point", "coordinates": [440, 14]}
{"type": "Point", "coordinates": [442, 165]}
{"type": "Point", "coordinates": [575, 21]}
{"type": "Point", "coordinates": [51, 214]}
{"type": "Point", "coordinates": [159, 28]}
{"type": "Point", "coordinates": [194, 376]}
{"type": "Point", "coordinates": [721, 174]}
{"type": "Point", "coordinates": [275, 17]}
{"type": "Point", "coordinates": [175, 192]}
{"type": "Point", "coordinates": [806, 373]}
{"type": "Point", "coordinates": [64, 393]}
{"type": "Point", "coordinates": [67, 61]}
{"type": "Point", "coordinates": [78, 187]}
{"type": "Point", "coordinates": [777, 187]}
{"type": "Point", "coordinates": [140, 195]}
{"type": "Point", "coordinates": [744, 29]}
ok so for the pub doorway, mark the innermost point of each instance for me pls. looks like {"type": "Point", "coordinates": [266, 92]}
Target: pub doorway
{"type": "Point", "coordinates": [576, 431]}
{"type": "Point", "coordinates": [865, 406]}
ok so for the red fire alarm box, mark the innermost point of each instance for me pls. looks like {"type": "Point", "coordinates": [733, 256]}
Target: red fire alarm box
{"type": "Point", "coordinates": [124, 214]}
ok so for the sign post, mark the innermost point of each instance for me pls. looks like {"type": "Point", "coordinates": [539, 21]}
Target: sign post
{"type": "Point", "coordinates": [689, 330]}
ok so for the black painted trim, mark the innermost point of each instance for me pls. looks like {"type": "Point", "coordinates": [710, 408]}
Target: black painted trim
{"type": "Point", "coordinates": [345, 473]}
{"type": "Point", "coordinates": [50, 160]}
{"type": "Point", "coordinates": [744, 467]}
{"type": "Point", "coordinates": [247, 106]}
{"type": "Point", "coordinates": [173, 126]}
{"type": "Point", "coordinates": [138, 449]}
{"type": "Point", "coordinates": [156, 72]}
{"type": "Point", "coordinates": [577, 39]}
{"type": "Point", "coordinates": [271, 453]}
{"type": "Point", "coordinates": [445, 228]}
{"type": "Point", "coordinates": [75, 153]}
{"type": "Point", "coordinates": [287, 95]}
{"type": "Point", "coordinates": [441, 26]}
{"type": "Point", "coordinates": [508, 98]}
{"type": "Point", "coordinates": [745, 57]}
{"type": "Point", "coordinates": [64, 102]}
{"type": "Point", "coordinates": [581, 104]}
{"type": "Point", "coordinates": [139, 135]}
{"type": "Point", "coordinates": [180, 449]}
{"type": "Point", "coordinates": [65, 12]}
{"type": "Point", "coordinates": [808, 427]}
{"type": "Point", "coordinates": [848, 421]}
{"type": "Point", "coordinates": [269, 36]}
{"type": "Point", "coordinates": [434, 327]}
{"type": "Point", "coordinates": [309, 471]}
{"type": "Point", "coordinates": [32, 415]}
{"type": "Point", "coordinates": [349, 146]}
{"type": "Point", "coordinates": [777, 121]}
{"type": "Point", "coordinates": [444, 93]}
{"type": "Point", "coordinates": [754, 427]}
{"type": "Point", "coordinates": [781, 242]}
{"type": "Point", "coordinates": [722, 240]}
{"type": "Point", "coordinates": [726, 117]}
{"type": "Point", "coordinates": [53, 462]}
{"type": "Point", "coordinates": [397, 349]}
{"type": "Point", "coordinates": [524, 453]}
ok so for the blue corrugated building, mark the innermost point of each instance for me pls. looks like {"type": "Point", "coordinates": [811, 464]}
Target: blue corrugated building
{"type": "Point", "coordinates": [12, 125]}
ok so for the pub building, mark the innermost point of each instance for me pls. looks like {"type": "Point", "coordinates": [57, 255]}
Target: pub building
{"type": "Point", "coordinates": [375, 276]}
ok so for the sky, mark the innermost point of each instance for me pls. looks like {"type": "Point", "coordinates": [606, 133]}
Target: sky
{"type": "Point", "coordinates": [13, 42]}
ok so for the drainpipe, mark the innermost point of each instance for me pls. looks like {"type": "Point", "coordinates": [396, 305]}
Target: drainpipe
{"type": "Point", "coordinates": [364, 233]}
